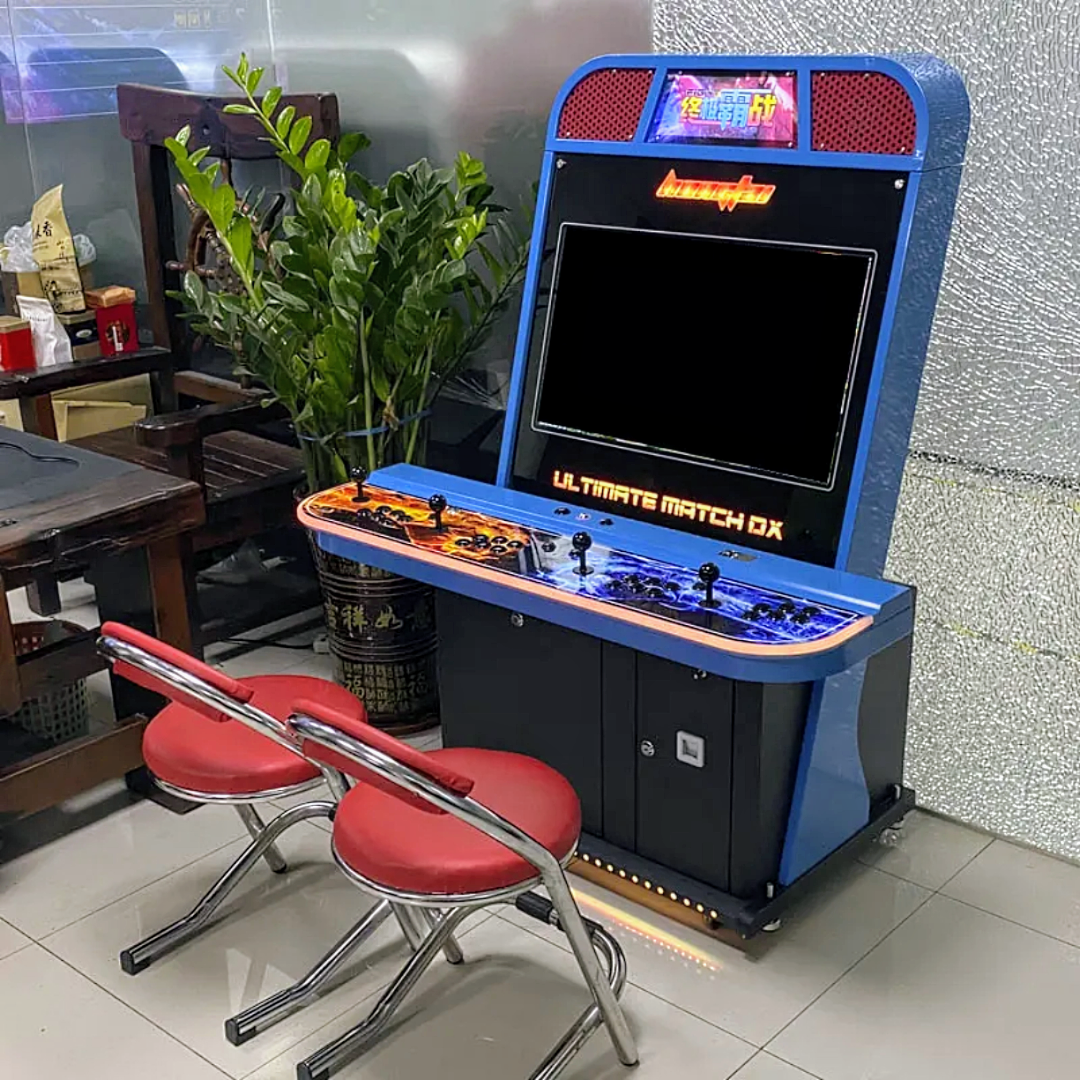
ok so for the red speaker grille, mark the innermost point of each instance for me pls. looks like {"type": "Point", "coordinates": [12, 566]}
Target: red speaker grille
{"type": "Point", "coordinates": [861, 112]}
{"type": "Point", "coordinates": [606, 105]}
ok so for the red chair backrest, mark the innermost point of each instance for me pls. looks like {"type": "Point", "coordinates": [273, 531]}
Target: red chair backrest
{"type": "Point", "coordinates": [178, 659]}
{"type": "Point", "coordinates": [426, 765]}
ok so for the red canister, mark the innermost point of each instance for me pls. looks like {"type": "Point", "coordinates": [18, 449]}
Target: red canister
{"type": "Point", "coordinates": [115, 308]}
{"type": "Point", "coordinates": [16, 344]}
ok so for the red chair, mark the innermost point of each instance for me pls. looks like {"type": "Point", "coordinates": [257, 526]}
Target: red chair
{"type": "Point", "coordinates": [224, 740]}
{"type": "Point", "coordinates": [440, 835]}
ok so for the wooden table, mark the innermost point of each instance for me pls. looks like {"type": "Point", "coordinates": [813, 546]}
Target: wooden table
{"type": "Point", "coordinates": [34, 389]}
{"type": "Point", "coordinates": [98, 510]}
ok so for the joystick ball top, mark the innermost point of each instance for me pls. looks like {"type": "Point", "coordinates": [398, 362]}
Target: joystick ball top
{"type": "Point", "coordinates": [358, 473]}
{"type": "Point", "coordinates": [581, 541]}
{"type": "Point", "coordinates": [437, 503]}
{"type": "Point", "coordinates": [708, 572]}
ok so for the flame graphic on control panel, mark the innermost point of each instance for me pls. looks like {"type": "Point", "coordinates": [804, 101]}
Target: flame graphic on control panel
{"type": "Point", "coordinates": [393, 512]}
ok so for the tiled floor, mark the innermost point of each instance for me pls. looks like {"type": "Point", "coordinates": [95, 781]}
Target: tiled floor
{"type": "Point", "coordinates": [947, 957]}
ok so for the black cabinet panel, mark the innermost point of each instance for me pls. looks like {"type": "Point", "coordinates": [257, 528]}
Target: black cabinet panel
{"type": "Point", "coordinates": [684, 806]}
{"type": "Point", "coordinates": [533, 689]}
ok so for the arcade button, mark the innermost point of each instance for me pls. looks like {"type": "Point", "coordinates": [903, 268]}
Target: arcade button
{"type": "Point", "coordinates": [498, 539]}
{"type": "Point", "coordinates": [463, 541]}
{"type": "Point", "coordinates": [653, 582]}
{"type": "Point", "coordinates": [562, 511]}
{"type": "Point", "coordinates": [497, 549]}
{"type": "Point", "coordinates": [785, 608]}
{"type": "Point", "coordinates": [547, 546]}
{"type": "Point", "coordinates": [400, 515]}
{"type": "Point", "coordinates": [655, 593]}
{"type": "Point", "coordinates": [605, 521]}
{"type": "Point", "coordinates": [382, 511]}
{"type": "Point", "coordinates": [481, 541]}
{"type": "Point", "coordinates": [757, 611]}
{"type": "Point", "coordinates": [673, 586]}
{"type": "Point", "coordinates": [514, 544]}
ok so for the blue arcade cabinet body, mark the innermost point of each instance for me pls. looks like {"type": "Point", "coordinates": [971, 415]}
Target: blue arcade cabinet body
{"type": "Point", "coordinates": [672, 591]}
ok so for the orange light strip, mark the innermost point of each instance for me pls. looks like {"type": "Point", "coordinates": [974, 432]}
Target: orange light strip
{"type": "Point", "coordinates": [648, 930]}
{"type": "Point", "coordinates": [727, 194]}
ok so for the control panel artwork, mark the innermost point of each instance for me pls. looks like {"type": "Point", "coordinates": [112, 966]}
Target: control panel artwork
{"type": "Point", "coordinates": [572, 563]}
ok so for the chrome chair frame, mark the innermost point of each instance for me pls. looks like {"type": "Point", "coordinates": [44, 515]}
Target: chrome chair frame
{"type": "Point", "coordinates": [138, 957]}
{"type": "Point", "coordinates": [443, 913]}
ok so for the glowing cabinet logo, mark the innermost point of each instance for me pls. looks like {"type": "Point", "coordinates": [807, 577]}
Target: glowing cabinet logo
{"type": "Point", "coordinates": [727, 194]}
{"type": "Point", "coordinates": [658, 503]}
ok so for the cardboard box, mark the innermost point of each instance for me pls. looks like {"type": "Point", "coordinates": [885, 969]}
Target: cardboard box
{"type": "Point", "coordinates": [81, 419]}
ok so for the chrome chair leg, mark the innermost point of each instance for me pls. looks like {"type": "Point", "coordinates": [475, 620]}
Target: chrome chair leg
{"type": "Point", "coordinates": [247, 1024]}
{"type": "Point", "coordinates": [429, 920]}
{"type": "Point", "coordinates": [604, 994]}
{"type": "Point", "coordinates": [413, 935]}
{"type": "Point", "coordinates": [586, 1024]}
{"type": "Point", "coordinates": [345, 1048]}
{"type": "Point", "coordinates": [142, 955]}
{"type": "Point", "coordinates": [417, 923]}
{"type": "Point", "coordinates": [255, 825]}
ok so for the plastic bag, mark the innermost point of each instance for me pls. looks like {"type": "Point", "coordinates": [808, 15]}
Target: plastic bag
{"type": "Point", "coordinates": [51, 343]}
{"type": "Point", "coordinates": [17, 250]}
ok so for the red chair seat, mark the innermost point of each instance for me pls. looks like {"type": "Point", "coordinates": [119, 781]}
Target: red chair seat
{"type": "Point", "coordinates": [404, 848]}
{"type": "Point", "coordinates": [190, 751]}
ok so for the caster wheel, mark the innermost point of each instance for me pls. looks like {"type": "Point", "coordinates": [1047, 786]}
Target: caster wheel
{"type": "Point", "coordinates": [891, 836]}
{"type": "Point", "coordinates": [772, 927]}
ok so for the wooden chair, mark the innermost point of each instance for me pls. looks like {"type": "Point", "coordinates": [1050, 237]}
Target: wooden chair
{"type": "Point", "coordinates": [248, 473]}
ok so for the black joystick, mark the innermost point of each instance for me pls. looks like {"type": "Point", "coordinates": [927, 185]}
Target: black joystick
{"type": "Point", "coordinates": [359, 474]}
{"type": "Point", "coordinates": [437, 504]}
{"type": "Point", "coordinates": [581, 542]}
{"type": "Point", "coordinates": [709, 573]}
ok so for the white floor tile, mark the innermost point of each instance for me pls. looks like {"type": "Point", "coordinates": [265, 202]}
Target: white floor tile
{"type": "Point", "coordinates": [763, 1066]}
{"type": "Point", "coordinates": [953, 994]}
{"type": "Point", "coordinates": [58, 1025]}
{"type": "Point", "coordinates": [755, 990]}
{"type": "Point", "coordinates": [318, 665]}
{"type": "Point", "coordinates": [11, 940]}
{"type": "Point", "coordinates": [497, 1017]}
{"type": "Point", "coordinates": [265, 660]}
{"type": "Point", "coordinates": [267, 936]}
{"type": "Point", "coordinates": [929, 852]}
{"type": "Point", "coordinates": [1032, 889]}
{"type": "Point", "coordinates": [62, 881]}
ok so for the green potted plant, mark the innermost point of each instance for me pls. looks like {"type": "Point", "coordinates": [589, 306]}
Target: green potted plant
{"type": "Point", "coordinates": [354, 308]}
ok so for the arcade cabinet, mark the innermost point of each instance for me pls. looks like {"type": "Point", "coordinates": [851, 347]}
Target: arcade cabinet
{"type": "Point", "coordinates": [672, 592]}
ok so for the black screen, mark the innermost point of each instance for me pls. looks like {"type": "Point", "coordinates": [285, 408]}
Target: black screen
{"type": "Point", "coordinates": [735, 354]}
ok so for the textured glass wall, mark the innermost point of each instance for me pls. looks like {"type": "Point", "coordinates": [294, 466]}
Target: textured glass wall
{"type": "Point", "coordinates": [429, 78]}
{"type": "Point", "coordinates": [989, 523]}
{"type": "Point", "coordinates": [59, 66]}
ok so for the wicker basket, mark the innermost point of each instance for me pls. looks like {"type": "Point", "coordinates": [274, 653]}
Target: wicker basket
{"type": "Point", "coordinates": [57, 715]}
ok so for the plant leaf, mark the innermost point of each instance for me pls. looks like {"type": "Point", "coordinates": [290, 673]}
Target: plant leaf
{"type": "Point", "coordinates": [270, 101]}
{"type": "Point", "coordinates": [318, 153]}
{"type": "Point", "coordinates": [298, 137]}
{"type": "Point", "coordinates": [236, 108]}
{"type": "Point", "coordinates": [350, 144]}
{"type": "Point", "coordinates": [284, 121]}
